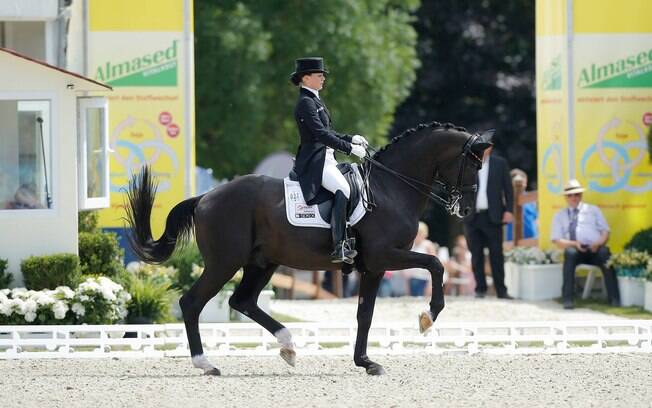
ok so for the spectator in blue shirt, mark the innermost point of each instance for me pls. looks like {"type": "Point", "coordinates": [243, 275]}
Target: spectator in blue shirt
{"type": "Point", "coordinates": [582, 232]}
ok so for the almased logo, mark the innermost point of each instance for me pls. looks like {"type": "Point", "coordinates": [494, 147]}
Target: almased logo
{"type": "Point", "coordinates": [552, 75]}
{"type": "Point", "coordinates": [158, 68]}
{"type": "Point", "coordinates": [633, 71]}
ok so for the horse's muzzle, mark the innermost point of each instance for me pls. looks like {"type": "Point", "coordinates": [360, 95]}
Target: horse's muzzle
{"type": "Point", "coordinates": [466, 211]}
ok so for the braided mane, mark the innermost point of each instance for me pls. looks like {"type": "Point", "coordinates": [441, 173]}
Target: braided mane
{"type": "Point", "coordinates": [417, 129]}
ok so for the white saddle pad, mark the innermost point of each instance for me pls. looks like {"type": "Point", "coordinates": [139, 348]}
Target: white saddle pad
{"type": "Point", "coordinates": [301, 214]}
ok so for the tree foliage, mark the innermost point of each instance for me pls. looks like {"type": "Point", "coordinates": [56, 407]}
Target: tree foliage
{"type": "Point", "coordinates": [477, 71]}
{"type": "Point", "coordinates": [245, 52]}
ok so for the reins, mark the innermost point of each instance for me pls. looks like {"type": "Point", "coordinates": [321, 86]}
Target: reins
{"type": "Point", "coordinates": [454, 192]}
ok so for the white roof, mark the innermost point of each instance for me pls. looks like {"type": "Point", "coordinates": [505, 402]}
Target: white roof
{"type": "Point", "coordinates": [80, 82]}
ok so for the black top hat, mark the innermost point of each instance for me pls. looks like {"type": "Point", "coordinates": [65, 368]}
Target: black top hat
{"type": "Point", "coordinates": [306, 66]}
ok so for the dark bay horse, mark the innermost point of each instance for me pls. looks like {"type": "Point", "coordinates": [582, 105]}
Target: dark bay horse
{"type": "Point", "coordinates": [242, 224]}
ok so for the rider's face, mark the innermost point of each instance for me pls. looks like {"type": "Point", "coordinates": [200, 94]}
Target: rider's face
{"type": "Point", "coordinates": [314, 81]}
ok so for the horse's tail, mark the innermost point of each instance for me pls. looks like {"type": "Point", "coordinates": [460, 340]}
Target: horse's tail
{"type": "Point", "coordinates": [178, 227]}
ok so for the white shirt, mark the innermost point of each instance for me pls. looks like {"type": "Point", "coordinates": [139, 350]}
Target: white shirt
{"type": "Point", "coordinates": [316, 92]}
{"type": "Point", "coordinates": [590, 224]}
{"type": "Point", "coordinates": [481, 201]}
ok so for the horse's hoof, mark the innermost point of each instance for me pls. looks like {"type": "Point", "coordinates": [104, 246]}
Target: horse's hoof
{"type": "Point", "coordinates": [289, 355]}
{"type": "Point", "coordinates": [375, 369]}
{"type": "Point", "coordinates": [425, 321]}
{"type": "Point", "coordinates": [212, 371]}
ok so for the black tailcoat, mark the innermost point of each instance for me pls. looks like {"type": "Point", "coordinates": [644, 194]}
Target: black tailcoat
{"type": "Point", "coordinates": [316, 135]}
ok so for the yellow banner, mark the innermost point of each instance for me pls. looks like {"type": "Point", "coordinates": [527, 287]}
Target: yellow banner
{"type": "Point", "coordinates": [610, 113]}
{"type": "Point", "coordinates": [140, 49]}
{"type": "Point", "coordinates": [613, 111]}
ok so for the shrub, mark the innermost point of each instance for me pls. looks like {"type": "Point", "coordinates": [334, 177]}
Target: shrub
{"type": "Point", "coordinates": [183, 261]}
{"type": "Point", "coordinates": [50, 271]}
{"type": "Point", "coordinates": [5, 277]}
{"type": "Point", "coordinates": [150, 300]}
{"type": "Point", "coordinates": [641, 241]}
{"type": "Point", "coordinates": [87, 221]}
{"type": "Point", "coordinates": [100, 254]}
{"type": "Point", "coordinates": [95, 301]}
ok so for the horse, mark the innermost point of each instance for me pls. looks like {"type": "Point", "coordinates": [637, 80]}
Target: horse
{"type": "Point", "coordinates": [243, 224]}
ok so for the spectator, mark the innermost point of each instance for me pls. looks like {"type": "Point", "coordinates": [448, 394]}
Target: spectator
{"type": "Point", "coordinates": [460, 270]}
{"type": "Point", "coordinates": [419, 279]}
{"type": "Point", "coordinates": [582, 232]}
{"type": "Point", "coordinates": [484, 228]}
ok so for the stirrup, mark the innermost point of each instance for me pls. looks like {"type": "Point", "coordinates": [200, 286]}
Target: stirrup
{"type": "Point", "coordinates": [340, 254]}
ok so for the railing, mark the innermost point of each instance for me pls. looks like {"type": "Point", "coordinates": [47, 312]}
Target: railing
{"type": "Point", "coordinates": [327, 338]}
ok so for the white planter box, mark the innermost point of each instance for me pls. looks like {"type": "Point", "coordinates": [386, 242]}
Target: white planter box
{"type": "Point", "coordinates": [534, 282]}
{"type": "Point", "coordinates": [512, 279]}
{"type": "Point", "coordinates": [264, 302]}
{"type": "Point", "coordinates": [217, 309]}
{"type": "Point", "coordinates": [648, 296]}
{"type": "Point", "coordinates": [632, 291]}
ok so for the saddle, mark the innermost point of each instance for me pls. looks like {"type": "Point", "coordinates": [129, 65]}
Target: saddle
{"type": "Point", "coordinates": [318, 215]}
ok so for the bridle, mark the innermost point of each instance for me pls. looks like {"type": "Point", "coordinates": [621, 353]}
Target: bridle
{"type": "Point", "coordinates": [452, 194]}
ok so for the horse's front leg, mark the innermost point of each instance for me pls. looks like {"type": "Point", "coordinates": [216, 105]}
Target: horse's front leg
{"type": "Point", "coordinates": [403, 259]}
{"type": "Point", "coordinates": [368, 290]}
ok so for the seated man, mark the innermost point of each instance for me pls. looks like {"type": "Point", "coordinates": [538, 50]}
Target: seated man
{"type": "Point", "coordinates": [582, 232]}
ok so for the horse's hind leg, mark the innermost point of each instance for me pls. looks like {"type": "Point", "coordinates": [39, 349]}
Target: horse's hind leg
{"type": "Point", "coordinates": [192, 303]}
{"type": "Point", "coordinates": [245, 299]}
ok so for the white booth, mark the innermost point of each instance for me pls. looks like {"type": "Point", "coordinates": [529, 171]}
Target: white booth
{"type": "Point", "coordinates": [53, 156]}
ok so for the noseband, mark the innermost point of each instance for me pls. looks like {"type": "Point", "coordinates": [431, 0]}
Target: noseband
{"type": "Point", "coordinates": [452, 194]}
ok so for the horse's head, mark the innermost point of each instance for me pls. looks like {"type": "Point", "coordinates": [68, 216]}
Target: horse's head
{"type": "Point", "coordinates": [458, 176]}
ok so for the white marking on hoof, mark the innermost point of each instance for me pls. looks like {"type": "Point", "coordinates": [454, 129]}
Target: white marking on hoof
{"type": "Point", "coordinates": [289, 355]}
{"type": "Point", "coordinates": [284, 338]}
{"type": "Point", "coordinates": [425, 321]}
{"type": "Point", "coordinates": [200, 361]}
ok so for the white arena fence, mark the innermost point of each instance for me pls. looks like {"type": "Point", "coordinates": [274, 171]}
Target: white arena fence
{"type": "Point", "coordinates": [221, 339]}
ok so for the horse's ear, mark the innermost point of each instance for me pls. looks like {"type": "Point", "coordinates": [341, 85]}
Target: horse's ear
{"type": "Point", "coordinates": [483, 142]}
{"type": "Point", "coordinates": [487, 135]}
{"type": "Point", "coordinates": [479, 147]}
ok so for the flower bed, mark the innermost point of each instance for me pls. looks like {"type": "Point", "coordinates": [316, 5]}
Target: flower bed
{"type": "Point", "coordinates": [95, 301]}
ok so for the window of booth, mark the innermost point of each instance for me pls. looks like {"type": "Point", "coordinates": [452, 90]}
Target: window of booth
{"type": "Point", "coordinates": [25, 154]}
{"type": "Point", "coordinates": [94, 153]}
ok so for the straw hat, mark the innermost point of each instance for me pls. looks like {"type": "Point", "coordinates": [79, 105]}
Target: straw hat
{"type": "Point", "coordinates": [573, 186]}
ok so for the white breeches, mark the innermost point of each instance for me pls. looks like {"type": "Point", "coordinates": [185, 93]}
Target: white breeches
{"type": "Point", "coordinates": [331, 178]}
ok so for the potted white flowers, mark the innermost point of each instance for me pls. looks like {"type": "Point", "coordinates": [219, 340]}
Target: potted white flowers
{"type": "Point", "coordinates": [648, 286]}
{"type": "Point", "coordinates": [95, 301]}
{"type": "Point", "coordinates": [533, 274]}
{"type": "Point", "coordinates": [630, 266]}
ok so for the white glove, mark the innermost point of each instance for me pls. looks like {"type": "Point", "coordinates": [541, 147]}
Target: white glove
{"type": "Point", "coordinates": [358, 151]}
{"type": "Point", "coordinates": [360, 140]}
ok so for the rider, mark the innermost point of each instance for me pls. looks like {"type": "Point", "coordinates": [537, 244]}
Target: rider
{"type": "Point", "coordinates": [315, 163]}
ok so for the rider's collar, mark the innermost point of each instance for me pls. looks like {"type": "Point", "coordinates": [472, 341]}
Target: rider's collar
{"type": "Point", "coordinates": [314, 91]}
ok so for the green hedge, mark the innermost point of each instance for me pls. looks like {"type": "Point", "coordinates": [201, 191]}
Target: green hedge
{"type": "Point", "coordinates": [48, 272]}
{"type": "Point", "coordinates": [5, 277]}
{"type": "Point", "coordinates": [641, 241]}
{"type": "Point", "coordinates": [100, 254]}
{"type": "Point", "coordinates": [87, 221]}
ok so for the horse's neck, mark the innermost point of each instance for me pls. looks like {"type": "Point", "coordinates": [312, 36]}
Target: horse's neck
{"type": "Point", "coordinates": [418, 156]}
{"type": "Point", "coordinates": [417, 159]}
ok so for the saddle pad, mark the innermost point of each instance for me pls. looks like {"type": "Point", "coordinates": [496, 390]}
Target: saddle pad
{"type": "Point", "coordinates": [300, 214]}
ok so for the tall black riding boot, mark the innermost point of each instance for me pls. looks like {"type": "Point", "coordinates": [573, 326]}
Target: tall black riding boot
{"type": "Point", "coordinates": [341, 251]}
